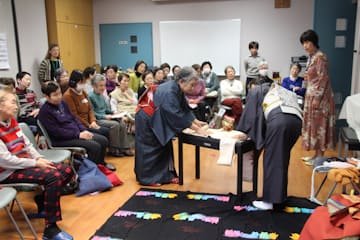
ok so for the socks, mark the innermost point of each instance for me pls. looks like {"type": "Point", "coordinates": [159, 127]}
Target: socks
{"type": "Point", "coordinates": [51, 230]}
{"type": "Point", "coordinates": [263, 205]}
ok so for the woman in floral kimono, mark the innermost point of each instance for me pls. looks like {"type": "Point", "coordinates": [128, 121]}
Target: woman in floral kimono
{"type": "Point", "coordinates": [319, 109]}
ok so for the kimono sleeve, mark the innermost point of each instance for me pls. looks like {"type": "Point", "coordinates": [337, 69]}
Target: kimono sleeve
{"type": "Point", "coordinates": [252, 121]}
{"type": "Point", "coordinates": [171, 116]}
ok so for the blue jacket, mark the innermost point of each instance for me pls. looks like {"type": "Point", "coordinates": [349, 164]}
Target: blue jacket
{"type": "Point", "coordinates": [289, 84]}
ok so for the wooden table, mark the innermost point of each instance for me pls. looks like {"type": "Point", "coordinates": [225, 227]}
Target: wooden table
{"type": "Point", "coordinates": [241, 147]}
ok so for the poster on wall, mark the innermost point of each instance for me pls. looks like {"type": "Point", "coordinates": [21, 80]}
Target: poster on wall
{"type": "Point", "coordinates": [4, 56]}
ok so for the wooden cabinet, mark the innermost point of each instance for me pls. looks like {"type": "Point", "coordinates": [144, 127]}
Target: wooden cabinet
{"type": "Point", "coordinates": [70, 24]}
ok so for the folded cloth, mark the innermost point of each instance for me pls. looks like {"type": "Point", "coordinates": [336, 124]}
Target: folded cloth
{"type": "Point", "coordinates": [248, 165]}
{"type": "Point", "coordinates": [344, 176]}
{"type": "Point", "coordinates": [212, 94]}
{"type": "Point", "coordinates": [226, 154]}
{"type": "Point", "coordinates": [341, 203]}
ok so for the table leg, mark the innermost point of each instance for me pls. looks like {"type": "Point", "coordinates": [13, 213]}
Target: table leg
{"type": "Point", "coordinates": [180, 156]}
{"type": "Point", "coordinates": [255, 170]}
{"type": "Point", "coordinates": [197, 162]}
{"type": "Point", "coordinates": [239, 172]}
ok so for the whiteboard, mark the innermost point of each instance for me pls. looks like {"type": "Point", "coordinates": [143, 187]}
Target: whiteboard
{"type": "Point", "coordinates": [187, 42]}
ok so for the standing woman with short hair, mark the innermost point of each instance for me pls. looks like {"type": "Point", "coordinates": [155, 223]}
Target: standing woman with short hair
{"type": "Point", "coordinates": [319, 109]}
{"type": "Point", "coordinates": [50, 64]}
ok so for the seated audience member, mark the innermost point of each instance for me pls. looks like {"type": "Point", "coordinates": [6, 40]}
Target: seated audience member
{"type": "Point", "coordinates": [148, 81]}
{"type": "Point", "coordinates": [111, 72]}
{"type": "Point", "coordinates": [118, 140]}
{"type": "Point", "coordinates": [263, 75]}
{"type": "Point", "coordinates": [89, 73]}
{"type": "Point", "coordinates": [79, 104]}
{"type": "Point", "coordinates": [175, 69]}
{"type": "Point", "coordinates": [123, 98]}
{"type": "Point", "coordinates": [211, 83]}
{"type": "Point", "coordinates": [158, 76]}
{"type": "Point", "coordinates": [196, 96]}
{"type": "Point", "coordinates": [66, 130]}
{"type": "Point", "coordinates": [166, 70]}
{"type": "Point", "coordinates": [9, 85]}
{"type": "Point", "coordinates": [21, 163]}
{"type": "Point", "coordinates": [135, 77]}
{"type": "Point", "coordinates": [272, 119]}
{"type": "Point", "coordinates": [29, 105]}
{"type": "Point", "coordinates": [230, 93]}
{"type": "Point", "coordinates": [62, 78]}
{"type": "Point", "coordinates": [294, 82]}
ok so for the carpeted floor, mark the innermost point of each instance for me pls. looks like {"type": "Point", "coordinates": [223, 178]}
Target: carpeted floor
{"type": "Point", "coordinates": [170, 215]}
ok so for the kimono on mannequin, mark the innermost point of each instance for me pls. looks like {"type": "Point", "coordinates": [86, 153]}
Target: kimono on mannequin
{"type": "Point", "coordinates": [157, 121]}
{"type": "Point", "coordinates": [276, 134]}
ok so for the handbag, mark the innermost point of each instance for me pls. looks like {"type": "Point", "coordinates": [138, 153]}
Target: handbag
{"type": "Point", "coordinates": [91, 179]}
{"type": "Point", "coordinates": [111, 176]}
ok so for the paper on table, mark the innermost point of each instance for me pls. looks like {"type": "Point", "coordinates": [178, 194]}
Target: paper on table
{"type": "Point", "coordinates": [217, 133]}
{"type": "Point", "coordinates": [119, 115]}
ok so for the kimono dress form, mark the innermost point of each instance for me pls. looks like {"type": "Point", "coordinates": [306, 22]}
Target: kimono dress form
{"type": "Point", "coordinates": [157, 122]}
{"type": "Point", "coordinates": [276, 134]}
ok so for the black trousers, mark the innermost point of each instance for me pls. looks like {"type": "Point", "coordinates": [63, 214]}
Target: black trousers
{"type": "Point", "coordinates": [96, 147]}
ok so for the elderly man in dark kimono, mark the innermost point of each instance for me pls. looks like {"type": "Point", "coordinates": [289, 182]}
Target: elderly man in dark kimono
{"type": "Point", "coordinates": [162, 113]}
{"type": "Point", "coordinates": [272, 119]}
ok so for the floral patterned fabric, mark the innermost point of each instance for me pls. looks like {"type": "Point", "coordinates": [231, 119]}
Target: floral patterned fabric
{"type": "Point", "coordinates": [319, 124]}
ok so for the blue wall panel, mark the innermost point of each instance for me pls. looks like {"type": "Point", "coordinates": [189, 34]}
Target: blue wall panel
{"type": "Point", "coordinates": [340, 59]}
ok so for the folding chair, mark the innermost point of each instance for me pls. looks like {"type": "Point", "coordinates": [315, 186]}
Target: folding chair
{"type": "Point", "coordinates": [7, 200]}
{"type": "Point", "coordinates": [348, 137]}
{"type": "Point", "coordinates": [321, 167]}
{"type": "Point", "coordinates": [53, 155]}
{"type": "Point", "coordinates": [75, 151]}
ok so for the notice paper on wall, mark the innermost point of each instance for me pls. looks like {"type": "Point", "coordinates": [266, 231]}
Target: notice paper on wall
{"type": "Point", "coordinates": [4, 56]}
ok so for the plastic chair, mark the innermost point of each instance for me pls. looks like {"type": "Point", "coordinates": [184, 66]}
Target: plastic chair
{"type": "Point", "coordinates": [7, 200]}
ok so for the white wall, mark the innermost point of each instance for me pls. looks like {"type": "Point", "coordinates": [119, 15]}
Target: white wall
{"type": "Point", "coordinates": [7, 27]}
{"type": "Point", "coordinates": [32, 33]}
{"type": "Point", "coordinates": [277, 30]}
{"type": "Point", "coordinates": [31, 22]}
{"type": "Point", "coordinates": [355, 82]}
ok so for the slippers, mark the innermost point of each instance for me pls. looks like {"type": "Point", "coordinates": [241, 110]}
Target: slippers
{"type": "Point", "coordinates": [155, 185]}
{"type": "Point", "coordinates": [305, 159]}
{"type": "Point", "coordinates": [60, 236]}
{"type": "Point", "coordinates": [263, 205]}
{"type": "Point", "coordinates": [174, 180]}
{"type": "Point", "coordinates": [310, 162]}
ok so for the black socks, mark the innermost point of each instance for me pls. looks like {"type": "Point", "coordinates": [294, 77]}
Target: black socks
{"type": "Point", "coordinates": [39, 200]}
{"type": "Point", "coordinates": [51, 230]}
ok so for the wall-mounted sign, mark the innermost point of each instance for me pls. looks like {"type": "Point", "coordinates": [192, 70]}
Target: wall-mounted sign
{"type": "Point", "coordinates": [4, 55]}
